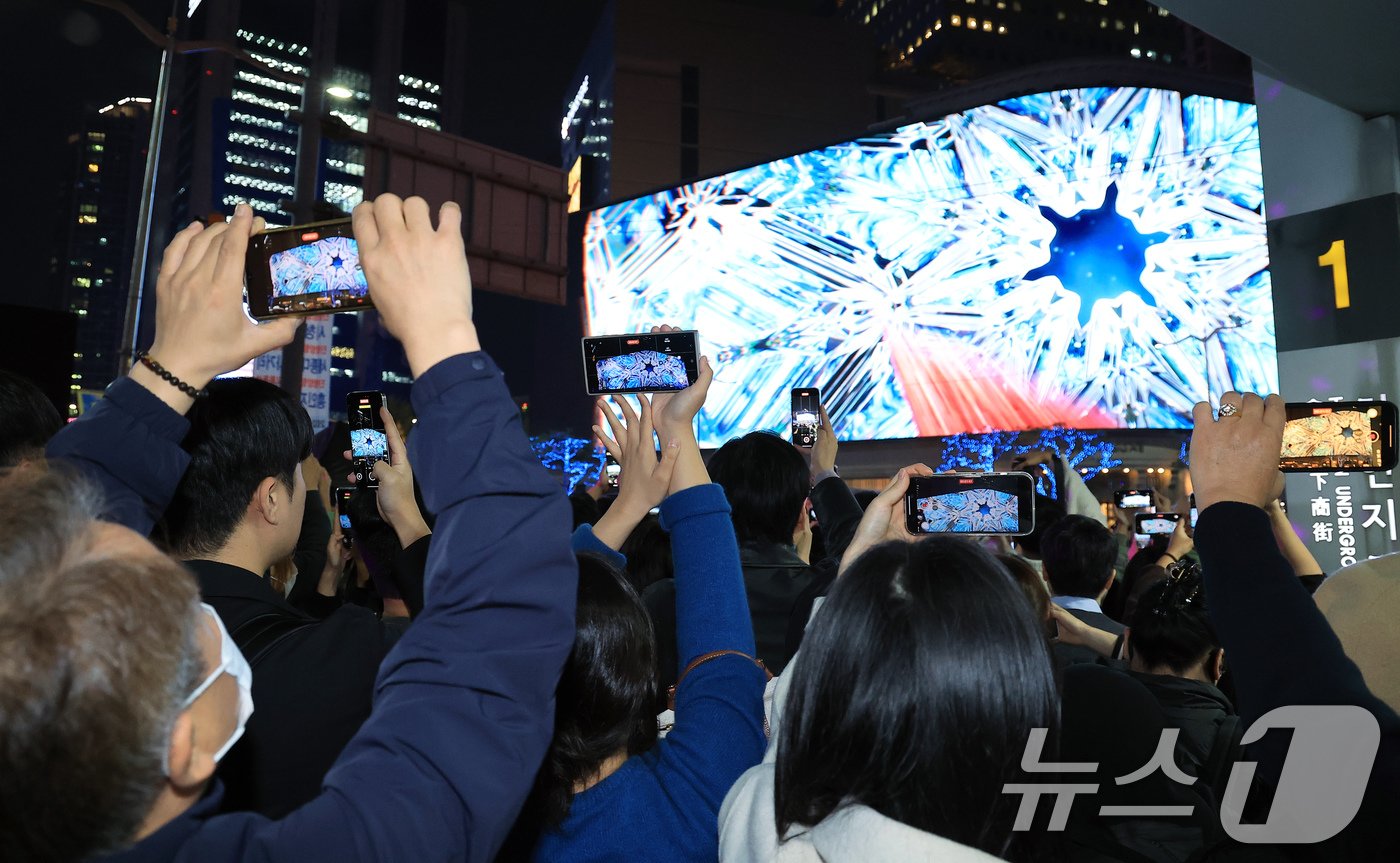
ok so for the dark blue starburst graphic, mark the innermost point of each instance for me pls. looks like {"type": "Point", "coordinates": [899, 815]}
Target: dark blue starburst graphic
{"type": "Point", "coordinates": [1098, 255]}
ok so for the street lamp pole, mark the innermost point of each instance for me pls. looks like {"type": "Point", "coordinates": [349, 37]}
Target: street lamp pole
{"type": "Point", "coordinates": [131, 324]}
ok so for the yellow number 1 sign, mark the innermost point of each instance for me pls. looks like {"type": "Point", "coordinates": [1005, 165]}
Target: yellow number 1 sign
{"type": "Point", "coordinates": [1336, 258]}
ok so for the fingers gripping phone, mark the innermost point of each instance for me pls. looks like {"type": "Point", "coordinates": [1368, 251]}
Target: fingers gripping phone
{"type": "Point", "coordinates": [641, 362]}
{"type": "Point", "coordinates": [305, 270]}
{"type": "Point", "coordinates": [342, 510]}
{"type": "Point", "coordinates": [368, 442]}
{"type": "Point", "coordinates": [806, 416]}
{"type": "Point", "coordinates": [985, 503]}
{"type": "Point", "coordinates": [1336, 436]}
{"type": "Point", "coordinates": [1155, 523]}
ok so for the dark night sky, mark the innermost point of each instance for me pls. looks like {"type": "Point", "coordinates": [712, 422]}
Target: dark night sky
{"type": "Point", "coordinates": [61, 57]}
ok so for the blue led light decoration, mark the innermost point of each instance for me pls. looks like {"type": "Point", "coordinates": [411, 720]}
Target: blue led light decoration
{"type": "Point", "coordinates": [576, 460]}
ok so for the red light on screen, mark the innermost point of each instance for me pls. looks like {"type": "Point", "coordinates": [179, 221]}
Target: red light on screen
{"type": "Point", "coordinates": [1317, 412]}
{"type": "Point", "coordinates": [634, 341]}
{"type": "Point", "coordinates": [964, 482]}
{"type": "Point", "coordinates": [310, 235]}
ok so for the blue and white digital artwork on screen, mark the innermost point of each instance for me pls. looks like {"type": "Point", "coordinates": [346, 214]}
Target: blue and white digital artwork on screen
{"type": "Point", "coordinates": [1089, 258]}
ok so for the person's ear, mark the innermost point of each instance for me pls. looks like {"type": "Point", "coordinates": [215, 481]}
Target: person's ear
{"type": "Point", "coordinates": [189, 767]}
{"type": "Point", "coordinates": [267, 500]}
{"type": "Point", "coordinates": [1215, 665]}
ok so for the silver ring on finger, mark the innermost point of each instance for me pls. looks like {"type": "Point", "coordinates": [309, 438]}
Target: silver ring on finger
{"type": "Point", "coordinates": [1229, 409]}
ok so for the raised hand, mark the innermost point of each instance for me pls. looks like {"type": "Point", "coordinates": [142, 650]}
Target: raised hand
{"type": "Point", "coordinates": [394, 497]}
{"type": "Point", "coordinates": [675, 412]}
{"type": "Point", "coordinates": [823, 454]}
{"type": "Point", "coordinates": [1235, 457]}
{"type": "Point", "coordinates": [884, 518]}
{"type": "Point", "coordinates": [418, 277]}
{"type": "Point", "coordinates": [645, 479]}
{"type": "Point", "coordinates": [201, 327]}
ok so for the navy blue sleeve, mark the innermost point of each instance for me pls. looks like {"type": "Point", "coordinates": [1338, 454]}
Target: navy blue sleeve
{"type": "Point", "coordinates": [129, 445]}
{"type": "Point", "coordinates": [1279, 645]}
{"type": "Point", "coordinates": [464, 704]}
{"type": "Point", "coordinates": [585, 540]}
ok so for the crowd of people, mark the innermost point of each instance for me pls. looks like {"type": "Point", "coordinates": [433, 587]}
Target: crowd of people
{"type": "Point", "coordinates": [735, 660]}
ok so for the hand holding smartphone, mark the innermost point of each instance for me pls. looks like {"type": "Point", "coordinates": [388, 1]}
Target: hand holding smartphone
{"type": "Point", "coordinates": [1133, 498]}
{"type": "Point", "coordinates": [660, 362]}
{"type": "Point", "coordinates": [963, 503]}
{"type": "Point", "coordinates": [806, 416]}
{"type": "Point", "coordinates": [368, 441]}
{"type": "Point", "coordinates": [342, 511]}
{"type": "Point", "coordinates": [305, 270]}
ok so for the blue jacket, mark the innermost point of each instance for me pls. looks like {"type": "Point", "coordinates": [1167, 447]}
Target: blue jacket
{"type": "Point", "coordinates": [464, 703]}
{"type": "Point", "coordinates": [663, 804]}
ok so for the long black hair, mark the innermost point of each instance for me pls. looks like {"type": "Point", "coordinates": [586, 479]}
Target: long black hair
{"type": "Point", "coordinates": [604, 703]}
{"type": "Point", "coordinates": [917, 688]}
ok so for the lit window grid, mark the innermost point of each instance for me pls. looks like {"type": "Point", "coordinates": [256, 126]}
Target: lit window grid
{"type": "Point", "coordinates": [357, 122]}
{"type": "Point", "coordinates": [419, 84]}
{"type": "Point", "coordinates": [253, 99]}
{"type": "Point", "coordinates": [293, 68]}
{"type": "Point", "coordinates": [421, 104]}
{"type": "Point", "coordinates": [421, 121]}
{"type": "Point", "coordinates": [270, 83]}
{"type": "Point", "coordinates": [272, 44]}
{"type": "Point", "coordinates": [354, 169]}
{"type": "Point", "coordinates": [258, 142]}
{"type": "Point", "coordinates": [262, 122]}
{"type": "Point", "coordinates": [264, 164]}
{"type": "Point", "coordinates": [346, 196]}
{"type": "Point", "coordinates": [259, 184]}
{"type": "Point", "coordinates": [261, 206]}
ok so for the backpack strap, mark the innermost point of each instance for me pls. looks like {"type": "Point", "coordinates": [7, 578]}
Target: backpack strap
{"type": "Point", "coordinates": [258, 635]}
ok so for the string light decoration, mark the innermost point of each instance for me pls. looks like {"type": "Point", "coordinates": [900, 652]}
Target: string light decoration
{"type": "Point", "coordinates": [575, 459]}
{"type": "Point", "coordinates": [1084, 451]}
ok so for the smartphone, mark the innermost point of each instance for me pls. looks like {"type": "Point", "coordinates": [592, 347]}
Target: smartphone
{"type": "Point", "coordinates": [342, 510]}
{"type": "Point", "coordinates": [981, 503]}
{"type": "Point", "coordinates": [1155, 523]}
{"type": "Point", "coordinates": [1133, 498]}
{"type": "Point", "coordinates": [305, 270]}
{"type": "Point", "coordinates": [368, 442]}
{"type": "Point", "coordinates": [1330, 436]}
{"type": "Point", "coordinates": [1193, 512]}
{"type": "Point", "coordinates": [641, 362]}
{"type": "Point", "coordinates": [806, 416]}
{"type": "Point", "coordinates": [613, 471]}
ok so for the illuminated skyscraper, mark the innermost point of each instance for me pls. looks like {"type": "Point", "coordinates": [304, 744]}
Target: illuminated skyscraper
{"type": "Point", "coordinates": [957, 41]}
{"type": "Point", "coordinates": [97, 217]}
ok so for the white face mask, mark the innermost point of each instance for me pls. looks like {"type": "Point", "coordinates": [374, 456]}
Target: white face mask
{"type": "Point", "coordinates": [232, 663]}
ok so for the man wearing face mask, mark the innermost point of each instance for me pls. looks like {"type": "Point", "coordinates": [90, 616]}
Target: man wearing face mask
{"type": "Point", "coordinates": [119, 692]}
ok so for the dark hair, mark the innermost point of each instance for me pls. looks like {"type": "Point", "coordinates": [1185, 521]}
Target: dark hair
{"type": "Point", "coordinates": [766, 480]}
{"type": "Point", "coordinates": [1047, 512]}
{"type": "Point", "coordinates": [865, 497]}
{"type": "Point", "coordinates": [648, 552]}
{"type": "Point", "coordinates": [605, 697]}
{"type": "Point", "coordinates": [1169, 627]}
{"type": "Point", "coordinates": [1078, 554]}
{"type": "Point", "coordinates": [1031, 584]}
{"type": "Point", "coordinates": [97, 653]}
{"type": "Point", "coordinates": [245, 431]}
{"type": "Point", "coordinates": [915, 692]}
{"type": "Point", "coordinates": [27, 419]}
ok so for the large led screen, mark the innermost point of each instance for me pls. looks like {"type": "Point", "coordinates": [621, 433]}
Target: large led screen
{"type": "Point", "coordinates": [1086, 258]}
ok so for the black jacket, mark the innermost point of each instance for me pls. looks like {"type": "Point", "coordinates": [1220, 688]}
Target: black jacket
{"type": "Point", "coordinates": [781, 588]}
{"type": "Point", "coordinates": [1197, 708]}
{"type": "Point", "coordinates": [311, 690]}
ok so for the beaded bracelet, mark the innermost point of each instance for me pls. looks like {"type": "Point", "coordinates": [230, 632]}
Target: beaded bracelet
{"type": "Point", "coordinates": [164, 374]}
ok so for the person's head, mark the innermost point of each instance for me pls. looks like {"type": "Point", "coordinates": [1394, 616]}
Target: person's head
{"type": "Point", "coordinates": [1047, 512]}
{"type": "Point", "coordinates": [102, 643]}
{"type": "Point", "coordinates": [1031, 584]}
{"type": "Point", "coordinates": [246, 442]}
{"type": "Point", "coordinates": [915, 692]}
{"type": "Point", "coordinates": [766, 481]}
{"type": "Point", "coordinates": [27, 419]}
{"type": "Point", "coordinates": [1078, 554]}
{"type": "Point", "coordinates": [604, 703]}
{"type": "Point", "coordinates": [1169, 632]}
{"type": "Point", "coordinates": [1361, 603]}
